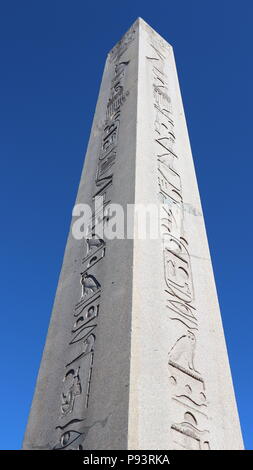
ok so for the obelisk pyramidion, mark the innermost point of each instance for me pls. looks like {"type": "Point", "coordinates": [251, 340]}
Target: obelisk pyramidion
{"type": "Point", "coordinates": [135, 356]}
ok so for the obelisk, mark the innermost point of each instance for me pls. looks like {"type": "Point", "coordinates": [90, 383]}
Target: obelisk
{"type": "Point", "coordinates": [135, 356]}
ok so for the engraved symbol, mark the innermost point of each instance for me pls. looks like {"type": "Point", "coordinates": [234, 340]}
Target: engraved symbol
{"type": "Point", "coordinates": [94, 243]}
{"type": "Point", "coordinates": [72, 390]}
{"type": "Point", "coordinates": [89, 284]}
{"type": "Point", "coordinates": [177, 269]}
{"type": "Point", "coordinates": [69, 436]}
{"type": "Point", "coordinates": [173, 380]}
{"type": "Point", "coordinates": [188, 436]}
{"type": "Point", "coordinates": [122, 45]}
{"type": "Point", "coordinates": [183, 351]}
{"type": "Point", "coordinates": [95, 251]}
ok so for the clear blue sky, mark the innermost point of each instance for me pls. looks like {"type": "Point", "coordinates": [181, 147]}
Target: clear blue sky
{"type": "Point", "coordinates": [52, 55]}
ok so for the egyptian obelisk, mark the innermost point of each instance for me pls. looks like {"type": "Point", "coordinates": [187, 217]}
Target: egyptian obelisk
{"type": "Point", "coordinates": [135, 356]}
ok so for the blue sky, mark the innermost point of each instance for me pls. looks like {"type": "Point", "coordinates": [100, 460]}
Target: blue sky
{"type": "Point", "coordinates": [52, 56]}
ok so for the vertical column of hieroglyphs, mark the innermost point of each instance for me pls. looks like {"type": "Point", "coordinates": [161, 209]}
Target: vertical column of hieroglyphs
{"type": "Point", "coordinates": [189, 404]}
{"type": "Point", "coordinates": [74, 399]}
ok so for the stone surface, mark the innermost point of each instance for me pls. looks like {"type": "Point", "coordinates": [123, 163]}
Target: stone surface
{"type": "Point", "coordinates": [139, 361]}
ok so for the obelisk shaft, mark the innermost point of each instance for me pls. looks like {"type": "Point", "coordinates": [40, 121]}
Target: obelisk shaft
{"type": "Point", "coordinates": [135, 355]}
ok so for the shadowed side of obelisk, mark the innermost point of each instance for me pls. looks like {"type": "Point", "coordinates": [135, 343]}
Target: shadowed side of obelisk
{"type": "Point", "coordinates": [82, 391]}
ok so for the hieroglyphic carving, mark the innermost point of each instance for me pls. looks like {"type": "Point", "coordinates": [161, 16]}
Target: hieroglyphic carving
{"type": "Point", "coordinates": [122, 45]}
{"type": "Point", "coordinates": [89, 284]}
{"type": "Point", "coordinates": [186, 435]}
{"type": "Point", "coordinates": [177, 268]}
{"type": "Point", "coordinates": [188, 387]}
{"type": "Point", "coordinates": [69, 436]}
{"type": "Point", "coordinates": [155, 38]}
{"type": "Point", "coordinates": [77, 378]}
{"type": "Point", "coordinates": [72, 388]}
{"type": "Point", "coordinates": [183, 351]}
